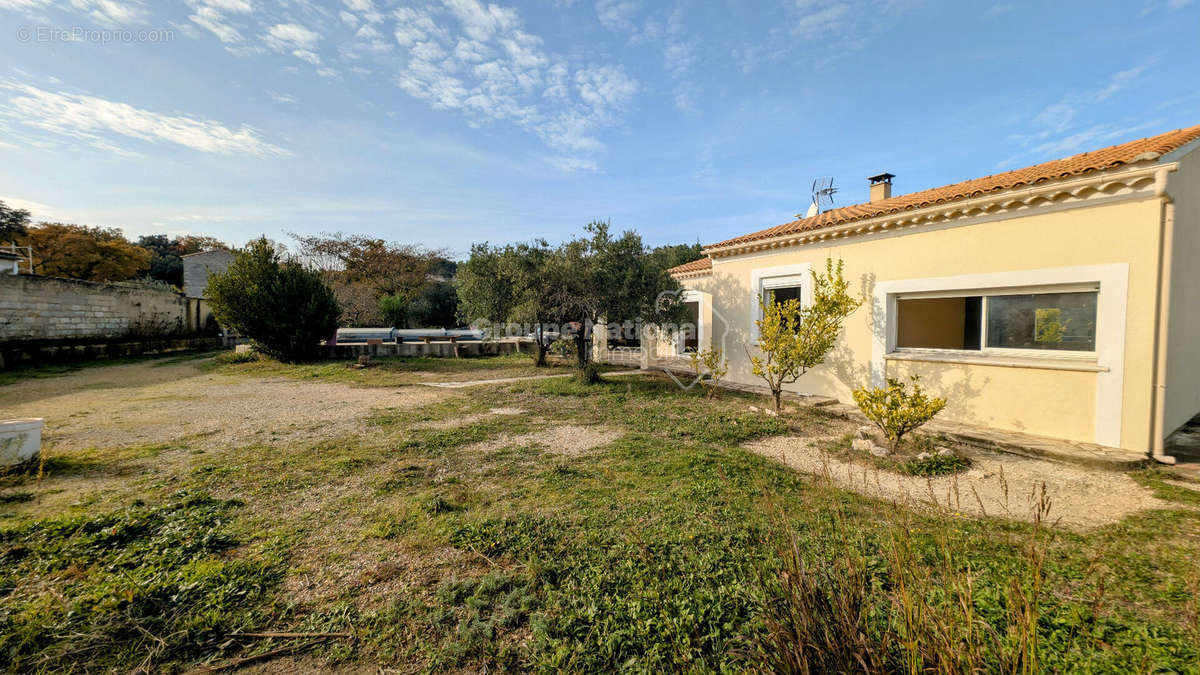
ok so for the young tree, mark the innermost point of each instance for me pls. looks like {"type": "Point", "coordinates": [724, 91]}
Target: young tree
{"type": "Point", "coordinates": [82, 252]}
{"type": "Point", "coordinates": [896, 410]}
{"type": "Point", "coordinates": [285, 307]}
{"type": "Point", "coordinates": [793, 338]}
{"type": "Point", "coordinates": [710, 366]}
{"type": "Point", "coordinates": [13, 223]}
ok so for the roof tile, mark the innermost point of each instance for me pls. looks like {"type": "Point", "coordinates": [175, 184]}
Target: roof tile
{"type": "Point", "coordinates": [700, 265]}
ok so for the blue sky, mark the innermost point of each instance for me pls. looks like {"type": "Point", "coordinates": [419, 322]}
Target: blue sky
{"type": "Point", "coordinates": [456, 121]}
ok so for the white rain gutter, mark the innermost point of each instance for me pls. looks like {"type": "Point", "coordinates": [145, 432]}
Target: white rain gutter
{"type": "Point", "coordinates": [1162, 313]}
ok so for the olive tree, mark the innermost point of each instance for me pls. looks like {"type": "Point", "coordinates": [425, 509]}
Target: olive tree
{"type": "Point", "coordinates": [617, 279]}
{"type": "Point", "coordinates": [521, 283]}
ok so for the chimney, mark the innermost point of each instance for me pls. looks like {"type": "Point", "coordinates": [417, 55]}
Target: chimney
{"type": "Point", "coordinates": [881, 186]}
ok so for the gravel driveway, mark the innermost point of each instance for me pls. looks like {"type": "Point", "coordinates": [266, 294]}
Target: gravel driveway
{"type": "Point", "coordinates": [163, 401]}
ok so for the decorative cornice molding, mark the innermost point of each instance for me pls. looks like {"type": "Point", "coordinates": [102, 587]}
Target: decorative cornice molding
{"type": "Point", "coordinates": [1143, 180]}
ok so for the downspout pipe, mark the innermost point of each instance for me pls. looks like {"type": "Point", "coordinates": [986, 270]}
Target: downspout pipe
{"type": "Point", "coordinates": [1163, 312]}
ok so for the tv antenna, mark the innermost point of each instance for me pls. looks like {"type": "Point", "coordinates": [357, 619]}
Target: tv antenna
{"type": "Point", "coordinates": [822, 196]}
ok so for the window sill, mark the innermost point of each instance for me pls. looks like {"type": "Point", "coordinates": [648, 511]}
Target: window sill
{"type": "Point", "coordinates": [1085, 365]}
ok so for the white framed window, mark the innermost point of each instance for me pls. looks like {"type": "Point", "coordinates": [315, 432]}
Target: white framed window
{"type": "Point", "coordinates": [693, 334]}
{"type": "Point", "coordinates": [778, 284]}
{"type": "Point", "coordinates": [1045, 321]}
{"type": "Point", "coordinates": [1016, 336]}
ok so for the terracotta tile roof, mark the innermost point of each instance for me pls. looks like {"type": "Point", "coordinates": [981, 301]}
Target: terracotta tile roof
{"type": "Point", "coordinates": [1135, 151]}
{"type": "Point", "coordinates": [702, 265]}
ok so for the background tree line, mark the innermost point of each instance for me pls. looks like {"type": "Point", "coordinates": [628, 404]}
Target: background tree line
{"type": "Point", "coordinates": [375, 282]}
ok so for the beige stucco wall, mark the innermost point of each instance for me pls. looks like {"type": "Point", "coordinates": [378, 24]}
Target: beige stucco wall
{"type": "Point", "coordinates": [1048, 402]}
{"type": "Point", "coordinates": [1183, 351]}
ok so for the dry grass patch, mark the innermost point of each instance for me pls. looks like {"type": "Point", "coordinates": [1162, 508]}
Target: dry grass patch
{"type": "Point", "coordinates": [567, 440]}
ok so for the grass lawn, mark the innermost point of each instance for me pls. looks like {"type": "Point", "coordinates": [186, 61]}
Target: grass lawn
{"type": "Point", "coordinates": [467, 534]}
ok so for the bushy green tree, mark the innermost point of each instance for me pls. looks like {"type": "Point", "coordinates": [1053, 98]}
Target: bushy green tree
{"type": "Point", "coordinates": [896, 409]}
{"type": "Point", "coordinates": [521, 283]}
{"type": "Point", "coordinates": [283, 306]}
{"type": "Point", "coordinates": [13, 223]}
{"type": "Point", "coordinates": [792, 338]}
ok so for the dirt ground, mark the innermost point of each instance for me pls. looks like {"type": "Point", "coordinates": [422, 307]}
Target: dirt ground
{"type": "Point", "coordinates": [160, 402]}
{"type": "Point", "coordinates": [995, 485]}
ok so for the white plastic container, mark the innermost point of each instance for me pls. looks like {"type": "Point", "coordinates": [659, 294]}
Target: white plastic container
{"type": "Point", "coordinates": [20, 440]}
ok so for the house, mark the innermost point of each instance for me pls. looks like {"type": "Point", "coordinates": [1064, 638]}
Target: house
{"type": "Point", "coordinates": [10, 262]}
{"type": "Point", "coordinates": [1060, 300]}
{"type": "Point", "coordinates": [197, 267]}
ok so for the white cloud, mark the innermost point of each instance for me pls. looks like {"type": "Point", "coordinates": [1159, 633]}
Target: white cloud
{"type": "Point", "coordinates": [306, 55]}
{"type": "Point", "coordinates": [95, 120]}
{"type": "Point", "coordinates": [816, 20]}
{"type": "Point", "coordinates": [617, 15]}
{"type": "Point", "coordinates": [294, 38]}
{"type": "Point", "coordinates": [112, 13]}
{"type": "Point", "coordinates": [1060, 116]}
{"type": "Point", "coordinates": [210, 15]}
{"type": "Point", "coordinates": [282, 98]}
{"type": "Point", "coordinates": [479, 60]}
{"type": "Point", "coordinates": [107, 13]}
{"type": "Point", "coordinates": [573, 164]}
{"type": "Point", "coordinates": [1056, 131]}
{"type": "Point", "coordinates": [605, 86]}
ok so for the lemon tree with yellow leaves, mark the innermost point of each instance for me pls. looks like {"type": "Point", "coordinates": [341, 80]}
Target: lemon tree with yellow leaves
{"type": "Point", "coordinates": [794, 338]}
{"type": "Point", "coordinates": [896, 409]}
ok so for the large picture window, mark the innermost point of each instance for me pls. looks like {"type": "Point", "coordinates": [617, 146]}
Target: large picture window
{"type": "Point", "coordinates": [1053, 320]}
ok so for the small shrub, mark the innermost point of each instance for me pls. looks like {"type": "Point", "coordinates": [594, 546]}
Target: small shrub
{"type": "Point", "coordinates": [935, 465]}
{"type": "Point", "coordinates": [896, 409]}
{"type": "Point", "coordinates": [229, 358]}
{"type": "Point", "coordinates": [710, 366]}
{"type": "Point", "coordinates": [589, 373]}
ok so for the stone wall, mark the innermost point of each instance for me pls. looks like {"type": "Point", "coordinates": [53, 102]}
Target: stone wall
{"type": "Point", "coordinates": [45, 308]}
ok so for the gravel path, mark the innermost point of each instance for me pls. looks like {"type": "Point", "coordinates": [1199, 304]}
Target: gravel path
{"type": "Point", "coordinates": [995, 485]}
{"type": "Point", "coordinates": [153, 402]}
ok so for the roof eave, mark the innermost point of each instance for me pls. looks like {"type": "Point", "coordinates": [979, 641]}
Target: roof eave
{"type": "Point", "coordinates": [1000, 200]}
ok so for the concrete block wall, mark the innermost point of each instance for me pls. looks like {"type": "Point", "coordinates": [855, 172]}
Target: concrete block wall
{"type": "Point", "coordinates": [45, 308]}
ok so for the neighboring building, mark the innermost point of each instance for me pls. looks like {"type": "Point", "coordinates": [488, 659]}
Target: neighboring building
{"type": "Point", "coordinates": [198, 266]}
{"type": "Point", "coordinates": [10, 263]}
{"type": "Point", "coordinates": [1060, 299]}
